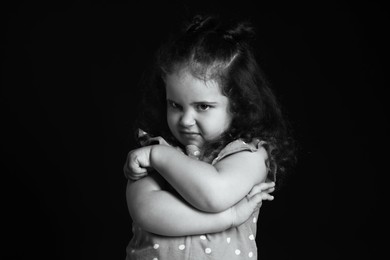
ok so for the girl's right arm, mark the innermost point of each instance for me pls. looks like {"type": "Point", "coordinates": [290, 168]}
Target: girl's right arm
{"type": "Point", "coordinates": [161, 212]}
{"type": "Point", "coordinates": [210, 188]}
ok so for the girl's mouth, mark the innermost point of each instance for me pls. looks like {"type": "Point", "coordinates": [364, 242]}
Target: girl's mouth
{"type": "Point", "coordinates": [188, 134]}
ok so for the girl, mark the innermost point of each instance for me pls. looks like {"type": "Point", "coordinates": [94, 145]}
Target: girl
{"type": "Point", "coordinates": [218, 141]}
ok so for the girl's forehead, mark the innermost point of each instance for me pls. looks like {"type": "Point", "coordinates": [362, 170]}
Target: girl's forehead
{"type": "Point", "coordinates": [182, 84]}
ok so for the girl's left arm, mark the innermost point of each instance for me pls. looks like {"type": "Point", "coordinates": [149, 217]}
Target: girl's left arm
{"type": "Point", "coordinates": [211, 188]}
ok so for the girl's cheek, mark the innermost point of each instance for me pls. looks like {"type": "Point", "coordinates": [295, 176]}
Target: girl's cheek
{"type": "Point", "coordinates": [172, 119]}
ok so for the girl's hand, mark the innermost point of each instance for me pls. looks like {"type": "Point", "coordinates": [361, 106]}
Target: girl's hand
{"type": "Point", "coordinates": [137, 163]}
{"type": "Point", "coordinates": [252, 202]}
{"type": "Point", "coordinates": [193, 151]}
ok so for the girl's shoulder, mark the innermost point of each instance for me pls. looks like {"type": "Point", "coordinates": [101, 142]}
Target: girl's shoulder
{"type": "Point", "coordinates": [238, 146]}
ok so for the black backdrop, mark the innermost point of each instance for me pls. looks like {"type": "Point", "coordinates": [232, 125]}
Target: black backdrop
{"type": "Point", "coordinates": [68, 95]}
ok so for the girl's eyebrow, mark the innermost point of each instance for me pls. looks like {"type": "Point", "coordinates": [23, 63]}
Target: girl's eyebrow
{"type": "Point", "coordinates": [205, 102]}
{"type": "Point", "coordinates": [197, 102]}
{"type": "Point", "coordinates": [170, 100]}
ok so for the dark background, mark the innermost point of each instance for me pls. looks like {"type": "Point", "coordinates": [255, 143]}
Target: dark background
{"type": "Point", "coordinates": [69, 75]}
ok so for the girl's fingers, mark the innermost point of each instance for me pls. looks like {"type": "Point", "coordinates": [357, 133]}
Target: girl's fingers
{"type": "Point", "coordinates": [136, 168]}
{"type": "Point", "coordinates": [270, 190]}
{"type": "Point", "coordinates": [267, 187]}
{"type": "Point", "coordinates": [266, 196]}
{"type": "Point", "coordinates": [193, 151]}
{"type": "Point", "coordinates": [135, 174]}
{"type": "Point", "coordinates": [256, 189]}
{"type": "Point", "coordinates": [259, 197]}
{"type": "Point", "coordinates": [133, 171]}
{"type": "Point", "coordinates": [256, 201]}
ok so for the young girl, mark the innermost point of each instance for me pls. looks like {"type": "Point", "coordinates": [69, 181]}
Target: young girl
{"type": "Point", "coordinates": [217, 141]}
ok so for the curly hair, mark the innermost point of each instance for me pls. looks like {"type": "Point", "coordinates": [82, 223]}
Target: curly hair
{"type": "Point", "coordinates": [212, 48]}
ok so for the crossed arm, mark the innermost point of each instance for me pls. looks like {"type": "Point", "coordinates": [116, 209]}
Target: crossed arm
{"type": "Point", "coordinates": [162, 212]}
{"type": "Point", "coordinates": [210, 188]}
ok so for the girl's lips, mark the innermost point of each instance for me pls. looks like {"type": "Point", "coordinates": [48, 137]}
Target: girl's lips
{"type": "Point", "coordinates": [188, 133]}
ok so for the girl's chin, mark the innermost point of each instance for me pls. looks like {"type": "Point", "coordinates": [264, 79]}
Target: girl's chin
{"type": "Point", "coordinates": [199, 145]}
{"type": "Point", "coordinates": [198, 141]}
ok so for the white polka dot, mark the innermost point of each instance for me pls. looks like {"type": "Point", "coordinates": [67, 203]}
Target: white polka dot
{"type": "Point", "coordinates": [203, 237]}
{"type": "Point", "coordinates": [254, 220]}
{"type": "Point", "coordinates": [237, 252]}
{"type": "Point", "coordinates": [252, 237]}
{"type": "Point", "coordinates": [155, 258]}
{"type": "Point", "coordinates": [207, 250]}
{"type": "Point", "coordinates": [228, 240]}
{"type": "Point", "coordinates": [181, 247]}
{"type": "Point", "coordinates": [250, 254]}
{"type": "Point", "coordinates": [156, 246]}
{"type": "Point", "coordinates": [132, 251]}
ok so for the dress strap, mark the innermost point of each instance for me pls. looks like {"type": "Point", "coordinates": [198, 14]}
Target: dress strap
{"type": "Point", "coordinates": [238, 146]}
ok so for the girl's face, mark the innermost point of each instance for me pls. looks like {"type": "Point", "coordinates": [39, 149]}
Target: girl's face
{"type": "Point", "coordinates": [196, 110]}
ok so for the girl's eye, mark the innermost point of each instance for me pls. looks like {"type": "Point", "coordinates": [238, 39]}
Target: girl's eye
{"type": "Point", "coordinates": [203, 107]}
{"type": "Point", "coordinates": [173, 104]}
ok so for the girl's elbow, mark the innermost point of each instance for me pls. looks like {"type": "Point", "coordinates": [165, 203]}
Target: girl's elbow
{"type": "Point", "coordinates": [138, 212]}
{"type": "Point", "coordinates": [135, 215]}
{"type": "Point", "coordinates": [215, 204]}
{"type": "Point", "coordinates": [141, 219]}
{"type": "Point", "coordinates": [216, 208]}
{"type": "Point", "coordinates": [214, 200]}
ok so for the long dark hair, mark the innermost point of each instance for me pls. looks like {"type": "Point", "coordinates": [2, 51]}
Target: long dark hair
{"type": "Point", "coordinates": [212, 48]}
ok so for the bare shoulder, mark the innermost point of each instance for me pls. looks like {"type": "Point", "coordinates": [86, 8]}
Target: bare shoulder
{"type": "Point", "coordinates": [252, 163]}
{"type": "Point", "coordinates": [262, 153]}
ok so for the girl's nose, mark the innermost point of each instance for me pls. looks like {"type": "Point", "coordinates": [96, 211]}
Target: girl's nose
{"type": "Point", "coordinates": [187, 119]}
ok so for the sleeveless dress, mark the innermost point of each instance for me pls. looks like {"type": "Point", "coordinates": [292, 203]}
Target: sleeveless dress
{"type": "Point", "coordinates": [234, 243]}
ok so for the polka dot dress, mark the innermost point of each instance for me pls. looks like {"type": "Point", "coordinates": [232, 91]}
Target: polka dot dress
{"type": "Point", "coordinates": [234, 243]}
